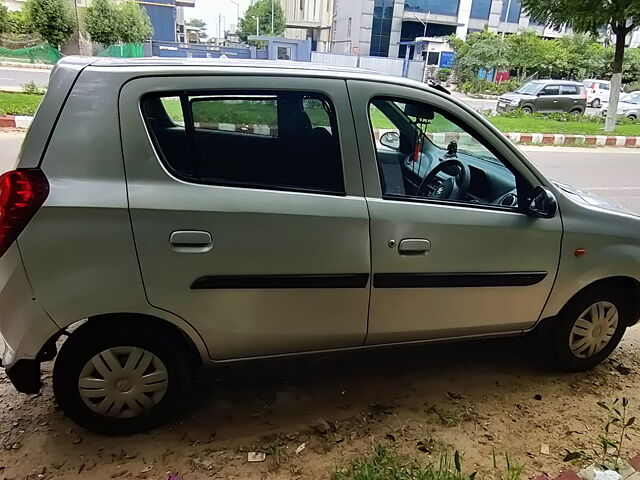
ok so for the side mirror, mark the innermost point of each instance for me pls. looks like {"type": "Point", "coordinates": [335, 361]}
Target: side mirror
{"type": "Point", "coordinates": [543, 204]}
{"type": "Point", "coordinates": [391, 140]}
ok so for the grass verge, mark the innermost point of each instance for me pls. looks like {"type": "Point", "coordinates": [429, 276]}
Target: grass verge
{"type": "Point", "coordinates": [548, 125]}
{"type": "Point", "coordinates": [19, 103]}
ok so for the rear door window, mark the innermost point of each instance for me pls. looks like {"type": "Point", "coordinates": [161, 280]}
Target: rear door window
{"type": "Point", "coordinates": [273, 140]}
{"type": "Point", "coordinates": [570, 90]}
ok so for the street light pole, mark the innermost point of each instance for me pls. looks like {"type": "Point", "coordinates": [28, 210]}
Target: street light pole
{"type": "Point", "coordinates": [272, 17]}
{"type": "Point", "coordinates": [424, 23]}
{"type": "Point", "coordinates": [257, 25]}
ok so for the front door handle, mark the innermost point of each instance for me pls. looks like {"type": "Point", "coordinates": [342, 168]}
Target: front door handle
{"type": "Point", "coordinates": [191, 241]}
{"type": "Point", "coordinates": [414, 246]}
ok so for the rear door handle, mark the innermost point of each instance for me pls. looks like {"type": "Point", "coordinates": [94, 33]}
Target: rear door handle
{"type": "Point", "coordinates": [414, 246]}
{"type": "Point", "coordinates": [191, 241]}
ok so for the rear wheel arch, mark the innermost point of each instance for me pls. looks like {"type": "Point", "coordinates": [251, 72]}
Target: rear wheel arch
{"type": "Point", "coordinates": [132, 320]}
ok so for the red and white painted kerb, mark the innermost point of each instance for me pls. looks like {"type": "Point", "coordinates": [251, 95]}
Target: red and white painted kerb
{"type": "Point", "coordinates": [19, 121]}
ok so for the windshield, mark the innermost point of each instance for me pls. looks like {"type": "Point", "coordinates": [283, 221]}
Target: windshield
{"type": "Point", "coordinates": [633, 98]}
{"type": "Point", "coordinates": [529, 88]}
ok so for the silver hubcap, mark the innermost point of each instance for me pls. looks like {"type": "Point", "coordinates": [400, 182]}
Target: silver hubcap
{"type": "Point", "coordinates": [123, 382]}
{"type": "Point", "coordinates": [593, 330]}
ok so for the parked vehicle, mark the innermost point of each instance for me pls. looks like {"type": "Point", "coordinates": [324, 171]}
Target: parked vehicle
{"type": "Point", "coordinates": [167, 214]}
{"type": "Point", "coordinates": [546, 96]}
{"type": "Point", "coordinates": [628, 107]}
{"type": "Point", "coordinates": [598, 92]}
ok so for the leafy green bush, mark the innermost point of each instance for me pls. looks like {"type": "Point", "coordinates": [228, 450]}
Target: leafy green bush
{"type": "Point", "coordinates": [444, 74]}
{"type": "Point", "coordinates": [32, 88]}
{"type": "Point", "coordinates": [489, 88]}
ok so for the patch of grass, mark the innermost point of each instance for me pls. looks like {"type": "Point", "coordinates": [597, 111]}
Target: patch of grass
{"type": "Point", "coordinates": [19, 103]}
{"type": "Point", "coordinates": [386, 464]}
{"type": "Point", "coordinates": [549, 125]}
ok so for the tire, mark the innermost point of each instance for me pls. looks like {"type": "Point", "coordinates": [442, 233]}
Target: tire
{"type": "Point", "coordinates": [578, 317]}
{"type": "Point", "coordinates": [596, 103]}
{"type": "Point", "coordinates": [576, 112]}
{"type": "Point", "coordinates": [632, 117]}
{"type": "Point", "coordinates": [163, 368]}
{"type": "Point", "coordinates": [527, 110]}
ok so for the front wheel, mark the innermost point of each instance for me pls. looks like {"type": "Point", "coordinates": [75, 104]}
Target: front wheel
{"type": "Point", "coordinates": [596, 103]}
{"type": "Point", "coordinates": [527, 110]}
{"type": "Point", "coordinates": [121, 379]}
{"type": "Point", "coordinates": [591, 327]}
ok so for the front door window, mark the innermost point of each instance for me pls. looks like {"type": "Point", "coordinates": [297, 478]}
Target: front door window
{"type": "Point", "coordinates": [438, 159]}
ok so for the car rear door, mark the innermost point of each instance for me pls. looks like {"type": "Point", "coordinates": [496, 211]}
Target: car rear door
{"type": "Point", "coordinates": [572, 98]}
{"type": "Point", "coordinates": [247, 208]}
{"type": "Point", "coordinates": [449, 268]}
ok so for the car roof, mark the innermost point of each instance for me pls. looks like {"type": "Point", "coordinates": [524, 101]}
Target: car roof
{"type": "Point", "coordinates": [251, 66]}
{"type": "Point", "coordinates": [563, 82]}
{"type": "Point", "coordinates": [595, 80]}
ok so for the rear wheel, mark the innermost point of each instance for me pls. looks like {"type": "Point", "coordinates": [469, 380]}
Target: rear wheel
{"type": "Point", "coordinates": [596, 103]}
{"type": "Point", "coordinates": [591, 326]}
{"type": "Point", "coordinates": [633, 117]}
{"type": "Point", "coordinates": [122, 379]}
{"type": "Point", "coordinates": [576, 112]}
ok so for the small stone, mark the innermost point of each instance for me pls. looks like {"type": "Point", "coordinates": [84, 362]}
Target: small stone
{"type": "Point", "coordinates": [119, 474]}
{"type": "Point", "coordinates": [623, 370]}
{"type": "Point", "coordinates": [322, 426]}
{"type": "Point", "coordinates": [204, 464]}
{"type": "Point", "coordinates": [544, 449]}
{"type": "Point", "coordinates": [537, 397]}
{"type": "Point", "coordinates": [77, 440]}
{"type": "Point", "coordinates": [16, 446]}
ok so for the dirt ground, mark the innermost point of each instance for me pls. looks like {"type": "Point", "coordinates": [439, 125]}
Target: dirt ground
{"type": "Point", "coordinates": [479, 397]}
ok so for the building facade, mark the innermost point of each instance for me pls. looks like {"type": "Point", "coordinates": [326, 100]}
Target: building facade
{"type": "Point", "coordinates": [376, 27]}
{"type": "Point", "coordinates": [309, 20]}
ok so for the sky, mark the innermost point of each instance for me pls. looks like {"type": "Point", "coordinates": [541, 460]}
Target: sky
{"type": "Point", "coordinates": [208, 10]}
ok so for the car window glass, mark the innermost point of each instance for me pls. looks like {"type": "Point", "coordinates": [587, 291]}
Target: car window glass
{"type": "Point", "coordinates": [551, 90]}
{"type": "Point", "coordinates": [439, 158]}
{"type": "Point", "coordinates": [528, 88]}
{"type": "Point", "coordinates": [274, 140]}
{"type": "Point", "coordinates": [570, 90]}
{"type": "Point", "coordinates": [605, 86]}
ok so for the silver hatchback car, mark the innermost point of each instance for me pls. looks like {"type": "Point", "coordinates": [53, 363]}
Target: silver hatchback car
{"type": "Point", "coordinates": [167, 214]}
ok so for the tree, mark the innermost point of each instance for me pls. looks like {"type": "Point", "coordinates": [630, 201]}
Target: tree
{"type": "Point", "coordinates": [134, 25]}
{"type": "Point", "coordinates": [262, 10]}
{"type": "Point", "coordinates": [19, 23]}
{"type": "Point", "coordinates": [484, 50]}
{"type": "Point", "coordinates": [589, 16]}
{"type": "Point", "coordinates": [196, 22]}
{"type": "Point", "coordinates": [4, 19]}
{"type": "Point", "coordinates": [52, 19]}
{"type": "Point", "coordinates": [101, 20]}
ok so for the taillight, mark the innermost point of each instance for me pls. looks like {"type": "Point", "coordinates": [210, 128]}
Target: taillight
{"type": "Point", "coordinates": [22, 193]}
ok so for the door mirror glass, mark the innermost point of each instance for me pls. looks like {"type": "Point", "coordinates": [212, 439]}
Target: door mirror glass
{"type": "Point", "coordinates": [391, 140]}
{"type": "Point", "coordinates": [543, 204]}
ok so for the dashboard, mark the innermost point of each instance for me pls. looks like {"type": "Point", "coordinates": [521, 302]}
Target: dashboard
{"type": "Point", "coordinates": [490, 182]}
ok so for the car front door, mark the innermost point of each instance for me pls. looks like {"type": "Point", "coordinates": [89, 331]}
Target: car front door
{"type": "Point", "coordinates": [449, 267]}
{"type": "Point", "coordinates": [549, 99]}
{"type": "Point", "coordinates": [247, 208]}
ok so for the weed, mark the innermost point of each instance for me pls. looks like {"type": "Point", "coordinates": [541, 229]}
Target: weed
{"type": "Point", "coordinates": [385, 463]}
{"type": "Point", "coordinates": [32, 88]}
{"type": "Point", "coordinates": [612, 441]}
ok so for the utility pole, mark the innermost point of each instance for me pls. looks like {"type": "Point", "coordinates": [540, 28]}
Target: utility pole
{"type": "Point", "coordinates": [220, 32]}
{"type": "Point", "coordinates": [257, 25]}
{"type": "Point", "coordinates": [506, 20]}
{"type": "Point", "coordinates": [272, 17]}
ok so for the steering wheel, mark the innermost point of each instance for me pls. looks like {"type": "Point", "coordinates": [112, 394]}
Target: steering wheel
{"type": "Point", "coordinates": [454, 188]}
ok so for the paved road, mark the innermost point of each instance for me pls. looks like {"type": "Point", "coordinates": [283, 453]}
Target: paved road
{"type": "Point", "coordinates": [14, 78]}
{"type": "Point", "coordinates": [608, 172]}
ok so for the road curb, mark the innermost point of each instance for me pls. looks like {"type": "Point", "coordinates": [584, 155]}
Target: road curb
{"type": "Point", "coordinates": [41, 66]}
{"type": "Point", "coordinates": [545, 139]}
